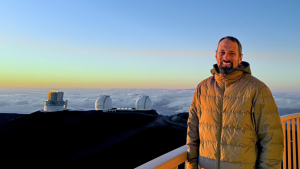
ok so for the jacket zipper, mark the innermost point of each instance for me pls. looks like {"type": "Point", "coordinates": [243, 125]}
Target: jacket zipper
{"type": "Point", "coordinates": [221, 120]}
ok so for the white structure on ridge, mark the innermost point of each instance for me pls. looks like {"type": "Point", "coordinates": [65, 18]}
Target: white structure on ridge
{"type": "Point", "coordinates": [104, 102]}
{"type": "Point", "coordinates": [55, 101]}
{"type": "Point", "coordinates": [143, 103]}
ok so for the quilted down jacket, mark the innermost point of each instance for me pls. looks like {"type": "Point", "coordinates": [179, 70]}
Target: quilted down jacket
{"type": "Point", "coordinates": [234, 123]}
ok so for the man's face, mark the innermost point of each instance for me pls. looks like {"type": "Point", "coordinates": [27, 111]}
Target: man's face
{"type": "Point", "coordinates": [227, 56]}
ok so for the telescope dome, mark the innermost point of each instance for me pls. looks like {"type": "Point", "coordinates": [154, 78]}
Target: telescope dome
{"type": "Point", "coordinates": [143, 103]}
{"type": "Point", "coordinates": [104, 102]}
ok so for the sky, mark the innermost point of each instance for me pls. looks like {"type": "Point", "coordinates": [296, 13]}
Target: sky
{"type": "Point", "coordinates": [155, 44]}
{"type": "Point", "coordinates": [129, 48]}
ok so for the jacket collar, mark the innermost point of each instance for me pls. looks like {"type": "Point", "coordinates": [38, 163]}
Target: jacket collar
{"type": "Point", "coordinates": [244, 67]}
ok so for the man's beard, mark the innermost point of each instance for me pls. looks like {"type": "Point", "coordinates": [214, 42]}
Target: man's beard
{"type": "Point", "coordinates": [226, 70]}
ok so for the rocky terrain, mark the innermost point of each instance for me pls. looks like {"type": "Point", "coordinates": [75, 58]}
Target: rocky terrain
{"type": "Point", "coordinates": [88, 139]}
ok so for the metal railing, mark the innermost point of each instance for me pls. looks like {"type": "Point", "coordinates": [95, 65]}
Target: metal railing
{"type": "Point", "coordinates": [169, 160]}
{"type": "Point", "coordinates": [291, 150]}
{"type": "Point", "coordinates": [291, 156]}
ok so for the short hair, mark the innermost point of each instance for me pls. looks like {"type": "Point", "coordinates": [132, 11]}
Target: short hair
{"type": "Point", "coordinates": [233, 39]}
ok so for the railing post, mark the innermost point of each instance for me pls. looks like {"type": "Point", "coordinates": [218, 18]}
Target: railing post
{"type": "Point", "coordinates": [298, 139]}
{"type": "Point", "coordinates": [294, 144]}
{"type": "Point", "coordinates": [284, 145]}
{"type": "Point", "coordinates": [289, 143]}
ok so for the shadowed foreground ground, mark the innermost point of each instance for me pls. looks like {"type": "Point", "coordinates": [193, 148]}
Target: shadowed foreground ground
{"type": "Point", "coordinates": [89, 139]}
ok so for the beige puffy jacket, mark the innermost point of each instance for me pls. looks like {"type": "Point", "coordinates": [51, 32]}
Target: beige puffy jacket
{"type": "Point", "coordinates": [234, 123]}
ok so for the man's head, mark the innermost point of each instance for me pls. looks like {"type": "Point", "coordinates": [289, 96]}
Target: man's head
{"type": "Point", "coordinates": [228, 54]}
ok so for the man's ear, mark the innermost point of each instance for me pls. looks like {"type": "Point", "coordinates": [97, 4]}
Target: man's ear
{"type": "Point", "coordinates": [216, 54]}
{"type": "Point", "coordinates": [241, 58]}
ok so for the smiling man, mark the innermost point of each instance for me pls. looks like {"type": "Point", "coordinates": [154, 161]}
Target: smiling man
{"type": "Point", "coordinates": [233, 120]}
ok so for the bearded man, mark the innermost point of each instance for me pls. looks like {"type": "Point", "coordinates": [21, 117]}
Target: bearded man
{"type": "Point", "coordinates": [233, 119]}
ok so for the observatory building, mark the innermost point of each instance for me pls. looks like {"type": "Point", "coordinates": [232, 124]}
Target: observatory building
{"type": "Point", "coordinates": [55, 101]}
{"type": "Point", "coordinates": [104, 103]}
{"type": "Point", "coordinates": [143, 103]}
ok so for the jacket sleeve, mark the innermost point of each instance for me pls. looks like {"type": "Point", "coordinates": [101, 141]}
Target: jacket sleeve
{"type": "Point", "coordinates": [269, 131]}
{"type": "Point", "coordinates": [192, 140]}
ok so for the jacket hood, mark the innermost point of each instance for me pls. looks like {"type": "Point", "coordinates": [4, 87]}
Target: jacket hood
{"type": "Point", "coordinates": [244, 67]}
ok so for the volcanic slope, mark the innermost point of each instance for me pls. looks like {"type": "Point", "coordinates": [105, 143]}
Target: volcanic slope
{"type": "Point", "coordinates": [89, 139]}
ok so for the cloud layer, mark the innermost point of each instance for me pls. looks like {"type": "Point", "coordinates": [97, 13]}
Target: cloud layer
{"type": "Point", "coordinates": [165, 101]}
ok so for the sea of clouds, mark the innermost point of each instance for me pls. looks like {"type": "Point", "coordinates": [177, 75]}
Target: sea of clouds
{"type": "Point", "coordinates": [165, 101]}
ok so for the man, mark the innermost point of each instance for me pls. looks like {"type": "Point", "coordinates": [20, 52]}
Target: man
{"type": "Point", "coordinates": [233, 120]}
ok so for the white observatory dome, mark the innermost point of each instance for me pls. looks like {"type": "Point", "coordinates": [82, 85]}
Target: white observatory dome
{"type": "Point", "coordinates": [143, 103]}
{"type": "Point", "coordinates": [104, 102]}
